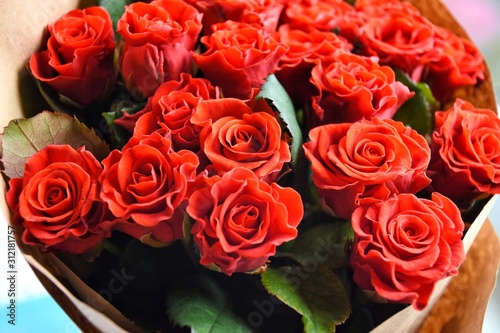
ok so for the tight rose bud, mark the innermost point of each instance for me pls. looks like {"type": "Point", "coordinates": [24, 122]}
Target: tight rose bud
{"type": "Point", "coordinates": [157, 42]}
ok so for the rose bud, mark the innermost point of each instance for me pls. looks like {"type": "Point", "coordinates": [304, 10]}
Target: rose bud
{"type": "Point", "coordinates": [158, 38]}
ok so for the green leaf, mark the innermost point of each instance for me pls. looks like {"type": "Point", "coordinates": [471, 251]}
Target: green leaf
{"type": "Point", "coordinates": [417, 111]}
{"type": "Point", "coordinates": [115, 8]}
{"type": "Point", "coordinates": [122, 102]}
{"type": "Point", "coordinates": [118, 136]}
{"type": "Point", "coordinates": [325, 244]}
{"type": "Point", "coordinates": [198, 302]}
{"type": "Point", "coordinates": [314, 292]}
{"type": "Point", "coordinates": [22, 138]}
{"type": "Point", "coordinates": [276, 95]}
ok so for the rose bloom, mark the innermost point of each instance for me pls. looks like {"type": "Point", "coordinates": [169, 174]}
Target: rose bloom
{"type": "Point", "coordinates": [263, 13]}
{"type": "Point", "coordinates": [239, 57]}
{"type": "Point", "coordinates": [461, 64]}
{"type": "Point", "coordinates": [145, 185]}
{"type": "Point", "coordinates": [240, 220]}
{"type": "Point", "coordinates": [358, 164]}
{"type": "Point", "coordinates": [465, 159]}
{"type": "Point", "coordinates": [353, 87]}
{"type": "Point", "coordinates": [374, 8]}
{"type": "Point", "coordinates": [78, 61]}
{"type": "Point", "coordinates": [306, 46]}
{"type": "Point", "coordinates": [57, 200]}
{"type": "Point", "coordinates": [168, 112]}
{"type": "Point", "coordinates": [401, 38]}
{"type": "Point", "coordinates": [236, 134]}
{"type": "Point", "coordinates": [404, 245]}
{"type": "Point", "coordinates": [323, 15]}
{"type": "Point", "coordinates": [157, 42]}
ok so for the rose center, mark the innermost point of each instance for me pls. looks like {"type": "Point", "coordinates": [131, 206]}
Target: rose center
{"type": "Point", "coordinates": [146, 182]}
{"type": "Point", "coordinates": [244, 138]}
{"type": "Point", "coordinates": [370, 154]}
{"type": "Point", "coordinates": [409, 236]}
{"type": "Point", "coordinates": [246, 217]}
{"type": "Point", "coordinates": [54, 196]}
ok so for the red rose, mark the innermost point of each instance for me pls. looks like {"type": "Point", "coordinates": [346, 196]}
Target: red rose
{"type": "Point", "coordinates": [169, 111]}
{"type": "Point", "coordinates": [145, 185]}
{"type": "Point", "coordinates": [465, 153]}
{"type": "Point", "coordinates": [57, 200]}
{"type": "Point", "coordinates": [365, 162]}
{"type": "Point", "coordinates": [353, 87]}
{"type": "Point", "coordinates": [239, 57]}
{"type": "Point", "coordinates": [305, 47]}
{"type": "Point", "coordinates": [78, 62]}
{"type": "Point", "coordinates": [461, 64]}
{"type": "Point", "coordinates": [325, 15]}
{"type": "Point", "coordinates": [158, 39]}
{"type": "Point", "coordinates": [240, 220]}
{"type": "Point", "coordinates": [374, 8]}
{"type": "Point", "coordinates": [400, 37]}
{"type": "Point", "coordinates": [404, 245]}
{"type": "Point", "coordinates": [308, 44]}
{"type": "Point", "coordinates": [237, 135]}
{"type": "Point", "coordinates": [264, 13]}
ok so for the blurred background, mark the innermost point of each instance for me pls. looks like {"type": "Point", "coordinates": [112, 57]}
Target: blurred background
{"type": "Point", "coordinates": [38, 312]}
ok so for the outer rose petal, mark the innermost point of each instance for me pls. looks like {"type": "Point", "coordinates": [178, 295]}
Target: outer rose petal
{"type": "Point", "coordinates": [239, 220]}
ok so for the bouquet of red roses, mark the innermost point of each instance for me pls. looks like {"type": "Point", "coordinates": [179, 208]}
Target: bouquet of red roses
{"type": "Point", "coordinates": [253, 165]}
